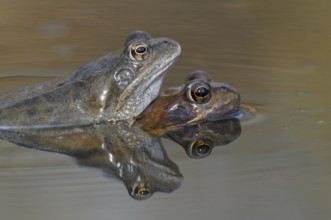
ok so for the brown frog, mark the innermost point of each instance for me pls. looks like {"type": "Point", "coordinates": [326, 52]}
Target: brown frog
{"type": "Point", "coordinates": [198, 100]}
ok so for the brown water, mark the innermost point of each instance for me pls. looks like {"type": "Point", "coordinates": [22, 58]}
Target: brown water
{"type": "Point", "coordinates": [276, 53]}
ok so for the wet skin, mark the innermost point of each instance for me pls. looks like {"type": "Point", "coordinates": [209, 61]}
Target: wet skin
{"type": "Point", "coordinates": [118, 86]}
{"type": "Point", "coordinates": [200, 99]}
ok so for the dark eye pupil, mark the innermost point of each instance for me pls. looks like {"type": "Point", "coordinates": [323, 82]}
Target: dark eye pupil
{"type": "Point", "coordinates": [201, 92]}
{"type": "Point", "coordinates": [202, 149]}
{"type": "Point", "coordinates": [144, 192]}
{"type": "Point", "coordinates": [141, 50]}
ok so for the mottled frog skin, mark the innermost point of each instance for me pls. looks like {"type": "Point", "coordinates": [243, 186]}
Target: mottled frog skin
{"type": "Point", "coordinates": [200, 99]}
{"type": "Point", "coordinates": [118, 86]}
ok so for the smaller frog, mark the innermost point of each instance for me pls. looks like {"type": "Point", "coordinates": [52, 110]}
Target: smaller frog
{"type": "Point", "coordinates": [199, 99]}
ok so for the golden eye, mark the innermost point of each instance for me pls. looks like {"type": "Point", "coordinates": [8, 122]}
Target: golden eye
{"type": "Point", "coordinates": [142, 191]}
{"type": "Point", "coordinates": [201, 148]}
{"type": "Point", "coordinates": [200, 93]}
{"type": "Point", "coordinates": [140, 51]}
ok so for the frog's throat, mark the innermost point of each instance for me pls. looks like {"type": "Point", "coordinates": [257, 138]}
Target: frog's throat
{"type": "Point", "coordinates": [149, 78]}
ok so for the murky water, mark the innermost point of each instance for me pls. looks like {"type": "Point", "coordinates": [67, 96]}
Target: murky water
{"type": "Point", "coordinates": [276, 53]}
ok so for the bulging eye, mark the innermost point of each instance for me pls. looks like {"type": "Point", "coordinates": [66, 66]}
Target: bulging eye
{"type": "Point", "coordinates": [200, 93]}
{"type": "Point", "coordinates": [200, 148]}
{"type": "Point", "coordinates": [139, 51]}
{"type": "Point", "coordinates": [142, 191]}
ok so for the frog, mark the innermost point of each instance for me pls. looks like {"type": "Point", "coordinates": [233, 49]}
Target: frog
{"type": "Point", "coordinates": [117, 86]}
{"type": "Point", "coordinates": [120, 150]}
{"type": "Point", "coordinates": [199, 99]}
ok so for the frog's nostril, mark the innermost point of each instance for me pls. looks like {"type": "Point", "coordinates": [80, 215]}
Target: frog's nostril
{"type": "Point", "coordinates": [224, 89]}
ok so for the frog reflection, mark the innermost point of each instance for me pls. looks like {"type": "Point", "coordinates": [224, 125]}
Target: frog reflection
{"type": "Point", "coordinates": [198, 140]}
{"type": "Point", "coordinates": [200, 99]}
{"type": "Point", "coordinates": [118, 86]}
{"type": "Point", "coordinates": [130, 154]}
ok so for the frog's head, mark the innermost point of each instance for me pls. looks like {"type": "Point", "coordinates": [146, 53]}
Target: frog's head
{"type": "Point", "coordinates": [201, 99]}
{"type": "Point", "coordinates": [142, 67]}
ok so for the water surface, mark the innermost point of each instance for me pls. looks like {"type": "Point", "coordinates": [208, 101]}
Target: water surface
{"type": "Point", "coordinates": [275, 53]}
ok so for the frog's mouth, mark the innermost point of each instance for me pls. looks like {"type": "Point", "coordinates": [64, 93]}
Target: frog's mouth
{"type": "Point", "coordinates": [152, 78]}
{"type": "Point", "coordinates": [146, 83]}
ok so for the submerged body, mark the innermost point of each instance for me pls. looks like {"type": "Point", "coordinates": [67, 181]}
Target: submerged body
{"type": "Point", "coordinates": [115, 87]}
{"type": "Point", "coordinates": [200, 99]}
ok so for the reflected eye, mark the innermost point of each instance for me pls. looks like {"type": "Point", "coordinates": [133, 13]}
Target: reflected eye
{"type": "Point", "coordinates": [200, 93]}
{"type": "Point", "coordinates": [200, 149]}
{"type": "Point", "coordinates": [140, 51]}
{"type": "Point", "coordinates": [142, 191]}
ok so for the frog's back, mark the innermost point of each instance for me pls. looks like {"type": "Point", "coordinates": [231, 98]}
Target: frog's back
{"type": "Point", "coordinates": [39, 104]}
{"type": "Point", "coordinates": [29, 92]}
{"type": "Point", "coordinates": [82, 73]}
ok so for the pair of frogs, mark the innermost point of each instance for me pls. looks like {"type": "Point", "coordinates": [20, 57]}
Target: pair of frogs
{"type": "Point", "coordinates": [119, 87]}
{"type": "Point", "coordinates": [109, 114]}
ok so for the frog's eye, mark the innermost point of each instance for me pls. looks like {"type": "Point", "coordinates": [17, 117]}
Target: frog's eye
{"type": "Point", "coordinates": [200, 148]}
{"type": "Point", "coordinates": [139, 51]}
{"type": "Point", "coordinates": [200, 93]}
{"type": "Point", "coordinates": [142, 191]}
